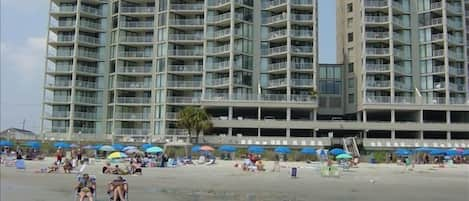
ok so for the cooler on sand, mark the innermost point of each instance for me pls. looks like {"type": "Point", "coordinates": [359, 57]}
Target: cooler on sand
{"type": "Point", "coordinates": [293, 172]}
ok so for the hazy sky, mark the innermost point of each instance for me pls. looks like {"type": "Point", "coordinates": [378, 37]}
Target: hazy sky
{"type": "Point", "coordinates": [23, 32]}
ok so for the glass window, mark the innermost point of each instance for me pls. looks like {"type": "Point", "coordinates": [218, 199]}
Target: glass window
{"type": "Point", "coordinates": [350, 67]}
{"type": "Point", "coordinates": [351, 98]}
{"type": "Point", "coordinates": [350, 37]}
{"type": "Point", "coordinates": [350, 7]}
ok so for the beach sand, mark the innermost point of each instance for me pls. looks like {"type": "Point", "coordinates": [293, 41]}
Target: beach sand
{"type": "Point", "coordinates": [382, 182]}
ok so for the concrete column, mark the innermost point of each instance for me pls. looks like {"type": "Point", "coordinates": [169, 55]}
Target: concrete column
{"type": "Point", "coordinates": [448, 135]}
{"type": "Point", "coordinates": [421, 116]}
{"type": "Point", "coordinates": [393, 116]}
{"type": "Point", "coordinates": [315, 134]}
{"type": "Point", "coordinates": [315, 115]}
{"type": "Point", "coordinates": [448, 117]}
{"type": "Point", "coordinates": [288, 114]}
{"type": "Point", "coordinates": [364, 116]}
{"type": "Point", "coordinates": [393, 134]}
{"type": "Point", "coordinates": [365, 134]}
{"type": "Point", "coordinates": [359, 116]}
{"type": "Point", "coordinates": [259, 116]}
{"type": "Point", "coordinates": [288, 132]}
{"type": "Point", "coordinates": [421, 135]}
{"type": "Point", "coordinates": [230, 132]}
{"type": "Point", "coordinates": [230, 113]}
{"type": "Point", "coordinates": [258, 132]}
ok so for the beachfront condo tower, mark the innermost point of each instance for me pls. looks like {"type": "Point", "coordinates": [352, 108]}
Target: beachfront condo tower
{"type": "Point", "coordinates": [123, 69]}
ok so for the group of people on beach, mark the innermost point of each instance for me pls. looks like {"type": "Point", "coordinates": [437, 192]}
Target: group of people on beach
{"type": "Point", "coordinates": [116, 189]}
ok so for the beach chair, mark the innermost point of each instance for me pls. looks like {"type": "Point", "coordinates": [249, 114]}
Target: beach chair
{"type": "Point", "coordinates": [75, 193]}
{"type": "Point", "coordinates": [19, 164]}
{"type": "Point", "coordinates": [126, 193]}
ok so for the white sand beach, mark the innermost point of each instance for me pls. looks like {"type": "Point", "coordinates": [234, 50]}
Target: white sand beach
{"type": "Point", "coordinates": [382, 182]}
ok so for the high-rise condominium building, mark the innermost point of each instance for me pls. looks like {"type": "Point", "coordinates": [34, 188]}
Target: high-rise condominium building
{"type": "Point", "coordinates": [122, 69]}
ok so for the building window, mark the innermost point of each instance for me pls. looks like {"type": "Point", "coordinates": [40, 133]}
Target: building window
{"type": "Point", "coordinates": [351, 98]}
{"type": "Point", "coordinates": [350, 7]}
{"type": "Point", "coordinates": [349, 22]}
{"type": "Point", "coordinates": [350, 37]}
{"type": "Point", "coordinates": [350, 67]}
{"type": "Point", "coordinates": [351, 83]}
{"type": "Point", "coordinates": [350, 51]}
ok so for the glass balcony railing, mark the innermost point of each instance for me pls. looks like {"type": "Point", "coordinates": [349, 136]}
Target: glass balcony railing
{"type": "Point", "coordinates": [137, 24]}
{"type": "Point", "coordinates": [456, 55]}
{"type": "Point", "coordinates": [186, 52]}
{"type": "Point", "coordinates": [377, 99]}
{"type": "Point", "coordinates": [186, 37]}
{"type": "Point", "coordinates": [133, 85]}
{"type": "Point", "coordinates": [137, 9]}
{"type": "Point", "coordinates": [277, 66]}
{"type": "Point", "coordinates": [278, 82]}
{"type": "Point", "coordinates": [185, 68]}
{"type": "Point", "coordinates": [376, 19]}
{"type": "Point", "coordinates": [133, 100]}
{"type": "Point", "coordinates": [132, 115]}
{"type": "Point", "coordinates": [60, 69]}
{"type": "Point", "coordinates": [188, 7]}
{"type": "Point", "coordinates": [185, 84]}
{"type": "Point", "coordinates": [434, 100]}
{"type": "Point", "coordinates": [218, 65]}
{"type": "Point", "coordinates": [91, 10]}
{"type": "Point", "coordinates": [400, 22]}
{"type": "Point", "coordinates": [375, 4]}
{"type": "Point", "coordinates": [400, 6]}
{"type": "Point", "coordinates": [65, 38]}
{"type": "Point", "coordinates": [132, 131]}
{"type": "Point", "coordinates": [377, 67]}
{"type": "Point", "coordinates": [63, 23]}
{"type": "Point", "coordinates": [377, 35]}
{"type": "Point", "coordinates": [187, 22]}
{"type": "Point", "coordinates": [454, 8]}
{"type": "Point", "coordinates": [215, 3]}
{"type": "Point", "coordinates": [436, 5]}
{"type": "Point", "coordinates": [402, 85]}
{"type": "Point", "coordinates": [455, 39]}
{"type": "Point", "coordinates": [275, 50]}
{"type": "Point", "coordinates": [86, 84]}
{"type": "Point", "coordinates": [86, 99]}
{"type": "Point", "coordinates": [271, 4]}
{"type": "Point", "coordinates": [89, 39]}
{"type": "Point", "coordinates": [456, 87]}
{"type": "Point", "coordinates": [171, 115]}
{"type": "Point", "coordinates": [60, 83]}
{"type": "Point", "coordinates": [275, 18]}
{"type": "Point", "coordinates": [85, 115]}
{"type": "Point", "coordinates": [88, 54]}
{"type": "Point", "coordinates": [456, 71]}
{"type": "Point", "coordinates": [458, 100]}
{"type": "Point", "coordinates": [301, 33]}
{"type": "Point", "coordinates": [219, 49]}
{"type": "Point", "coordinates": [278, 34]}
{"type": "Point", "coordinates": [438, 36]}
{"type": "Point", "coordinates": [58, 114]}
{"type": "Point", "coordinates": [135, 54]}
{"type": "Point", "coordinates": [59, 129]}
{"type": "Point", "coordinates": [62, 99]}
{"type": "Point", "coordinates": [377, 51]}
{"type": "Point", "coordinates": [302, 49]}
{"type": "Point", "coordinates": [378, 84]}
{"type": "Point", "coordinates": [220, 33]}
{"type": "Point", "coordinates": [218, 81]}
{"type": "Point", "coordinates": [63, 9]}
{"type": "Point", "coordinates": [402, 69]}
{"type": "Point", "coordinates": [183, 99]}
{"type": "Point", "coordinates": [90, 25]}
{"type": "Point", "coordinates": [136, 39]}
{"type": "Point", "coordinates": [301, 17]}
{"type": "Point", "coordinates": [404, 99]}
{"type": "Point", "coordinates": [454, 24]}
{"type": "Point", "coordinates": [302, 82]}
{"type": "Point", "coordinates": [218, 18]}
{"type": "Point", "coordinates": [134, 69]}
{"type": "Point", "coordinates": [302, 66]}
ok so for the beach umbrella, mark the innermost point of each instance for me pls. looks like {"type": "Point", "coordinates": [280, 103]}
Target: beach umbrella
{"type": "Point", "coordinates": [452, 152]}
{"type": "Point", "coordinates": [33, 144]}
{"type": "Point", "coordinates": [282, 150]}
{"type": "Point", "coordinates": [6, 143]}
{"type": "Point", "coordinates": [154, 150]}
{"type": "Point", "coordinates": [438, 152]}
{"type": "Point", "coordinates": [132, 151]}
{"type": "Point", "coordinates": [117, 155]}
{"type": "Point", "coordinates": [146, 146]}
{"type": "Point", "coordinates": [255, 149]}
{"type": "Point", "coordinates": [97, 146]}
{"type": "Point", "coordinates": [343, 156]}
{"type": "Point", "coordinates": [227, 148]}
{"type": "Point", "coordinates": [62, 145]}
{"type": "Point", "coordinates": [106, 148]}
{"type": "Point", "coordinates": [74, 146]}
{"type": "Point", "coordinates": [402, 152]}
{"type": "Point", "coordinates": [424, 149]}
{"type": "Point", "coordinates": [308, 151]}
{"type": "Point", "coordinates": [125, 149]}
{"type": "Point", "coordinates": [207, 148]}
{"type": "Point", "coordinates": [336, 151]}
{"type": "Point", "coordinates": [196, 148]}
{"type": "Point", "coordinates": [118, 147]}
{"type": "Point", "coordinates": [89, 147]}
{"type": "Point", "coordinates": [465, 153]}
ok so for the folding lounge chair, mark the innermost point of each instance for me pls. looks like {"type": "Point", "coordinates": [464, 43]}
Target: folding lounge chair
{"type": "Point", "coordinates": [76, 195]}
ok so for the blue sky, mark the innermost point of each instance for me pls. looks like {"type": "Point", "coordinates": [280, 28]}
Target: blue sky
{"type": "Point", "coordinates": [23, 32]}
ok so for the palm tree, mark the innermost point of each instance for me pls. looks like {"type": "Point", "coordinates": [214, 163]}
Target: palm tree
{"type": "Point", "coordinates": [194, 120]}
{"type": "Point", "coordinates": [313, 93]}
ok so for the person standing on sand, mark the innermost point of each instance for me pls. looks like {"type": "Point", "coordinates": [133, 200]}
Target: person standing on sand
{"type": "Point", "coordinates": [59, 155]}
{"type": "Point", "coordinates": [276, 167]}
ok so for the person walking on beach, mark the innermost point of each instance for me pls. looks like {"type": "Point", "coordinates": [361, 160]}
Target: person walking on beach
{"type": "Point", "coordinates": [59, 155]}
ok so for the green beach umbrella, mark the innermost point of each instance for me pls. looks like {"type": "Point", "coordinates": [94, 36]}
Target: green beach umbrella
{"type": "Point", "coordinates": [343, 156]}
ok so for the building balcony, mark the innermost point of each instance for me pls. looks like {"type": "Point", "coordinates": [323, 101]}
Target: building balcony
{"type": "Point", "coordinates": [133, 85]}
{"type": "Point", "coordinates": [456, 87]}
{"type": "Point", "coordinates": [378, 67]}
{"type": "Point", "coordinates": [218, 81]}
{"type": "Point", "coordinates": [90, 25]}
{"type": "Point", "coordinates": [136, 39]}
{"type": "Point", "coordinates": [302, 82]}
{"type": "Point", "coordinates": [278, 83]}
{"type": "Point", "coordinates": [58, 114]}
{"type": "Point", "coordinates": [185, 68]}
{"type": "Point", "coordinates": [277, 34]}
{"type": "Point", "coordinates": [378, 99]}
{"type": "Point", "coordinates": [133, 100]}
{"type": "Point", "coordinates": [275, 18]}
{"type": "Point", "coordinates": [185, 84]}
{"type": "Point", "coordinates": [132, 131]}
{"type": "Point", "coordinates": [377, 51]}
{"type": "Point", "coordinates": [188, 7]}
{"type": "Point", "coordinates": [378, 84]}
{"type": "Point", "coordinates": [91, 11]}
{"type": "Point", "coordinates": [459, 100]}
{"type": "Point", "coordinates": [186, 52]}
{"type": "Point", "coordinates": [302, 66]}
{"type": "Point", "coordinates": [404, 99]}
{"type": "Point", "coordinates": [64, 39]}
{"type": "Point", "coordinates": [454, 8]}
{"type": "Point", "coordinates": [218, 66]}
{"type": "Point", "coordinates": [220, 33]}
{"type": "Point", "coordinates": [183, 99]}
{"type": "Point", "coordinates": [86, 99]}
{"type": "Point", "coordinates": [61, 53]}
{"type": "Point", "coordinates": [302, 33]}
{"type": "Point", "coordinates": [186, 22]}
{"type": "Point", "coordinates": [85, 115]}
{"type": "Point", "coordinates": [134, 69]}
{"type": "Point", "coordinates": [434, 100]}
{"type": "Point", "coordinates": [456, 71]}
{"type": "Point", "coordinates": [437, 37]}
{"type": "Point", "coordinates": [275, 50]}
{"type": "Point", "coordinates": [271, 4]}
{"type": "Point", "coordinates": [302, 2]}
{"type": "Point", "coordinates": [455, 39]}
{"type": "Point", "coordinates": [402, 85]}
{"type": "Point", "coordinates": [137, 9]}
{"type": "Point", "coordinates": [86, 84]}
{"type": "Point", "coordinates": [59, 69]}
{"type": "Point", "coordinates": [63, 9]}
{"type": "Point", "coordinates": [133, 116]}
{"type": "Point", "coordinates": [454, 24]}
{"type": "Point", "coordinates": [301, 17]}
{"type": "Point", "coordinates": [375, 4]}
{"type": "Point", "coordinates": [219, 49]}
{"type": "Point", "coordinates": [436, 5]}
{"type": "Point", "coordinates": [84, 130]}
{"type": "Point", "coordinates": [377, 35]}
{"type": "Point", "coordinates": [137, 24]}
{"type": "Point", "coordinates": [277, 66]}
{"type": "Point", "coordinates": [216, 3]}
{"type": "Point", "coordinates": [456, 55]}
{"type": "Point", "coordinates": [60, 84]}
{"type": "Point", "coordinates": [302, 49]}
{"type": "Point", "coordinates": [88, 54]}
{"type": "Point", "coordinates": [438, 53]}
{"type": "Point", "coordinates": [219, 18]}
{"type": "Point", "coordinates": [273, 97]}
{"type": "Point", "coordinates": [59, 99]}
{"type": "Point", "coordinates": [376, 19]}
{"type": "Point", "coordinates": [64, 24]}
{"type": "Point", "coordinates": [89, 40]}
{"type": "Point", "coordinates": [186, 37]}
{"type": "Point", "coordinates": [135, 54]}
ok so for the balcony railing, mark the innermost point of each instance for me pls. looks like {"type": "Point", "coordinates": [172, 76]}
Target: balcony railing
{"type": "Point", "coordinates": [186, 52]}
{"type": "Point", "coordinates": [185, 84]}
{"type": "Point", "coordinates": [135, 54]}
{"type": "Point", "coordinates": [60, 68]}
{"type": "Point", "coordinates": [278, 82]}
{"type": "Point", "coordinates": [186, 36]}
{"type": "Point", "coordinates": [456, 87]}
{"type": "Point", "coordinates": [62, 99]}
{"type": "Point", "coordinates": [137, 24]}
{"type": "Point", "coordinates": [90, 25]}
{"type": "Point", "coordinates": [86, 99]}
{"type": "Point", "coordinates": [278, 34]}
{"type": "Point", "coordinates": [301, 33]}
{"type": "Point", "coordinates": [91, 10]}
{"type": "Point", "coordinates": [302, 2]}
{"type": "Point", "coordinates": [58, 114]}
{"type": "Point", "coordinates": [434, 100]}
{"type": "Point", "coordinates": [133, 100]}
{"type": "Point", "coordinates": [218, 81]}
{"type": "Point", "coordinates": [219, 49]}
{"type": "Point", "coordinates": [183, 99]}
{"type": "Point", "coordinates": [270, 4]}
{"type": "Point", "coordinates": [404, 99]}
{"type": "Point", "coordinates": [302, 82]}
{"type": "Point", "coordinates": [435, 5]}
{"type": "Point", "coordinates": [375, 83]}
{"type": "Point", "coordinates": [133, 85]}
{"type": "Point", "coordinates": [86, 84]}
{"type": "Point", "coordinates": [377, 35]}
{"type": "Point", "coordinates": [275, 50]}
{"type": "Point", "coordinates": [60, 83]}
{"type": "Point", "coordinates": [136, 39]}
{"type": "Point", "coordinates": [275, 18]}
{"type": "Point", "coordinates": [458, 100]}
{"type": "Point", "coordinates": [376, 19]}
{"type": "Point", "coordinates": [89, 39]}
{"type": "Point", "coordinates": [277, 66]}
{"type": "Point", "coordinates": [438, 36]}
{"type": "Point", "coordinates": [377, 51]}
{"type": "Point", "coordinates": [135, 116]}
{"type": "Point", "coordinates": [85, 115]}
{"type": "Point", "coordinates": [456, 70]}
{"type": "Point", "coordinates": [65, 23]}
{"type": "Point", "coordinates": [188, 7]}
{"type": "Point", "coordinates": [375, 4]}
{"type": "Point", "coordinates": [128, 9]}
{"type": "Point", "coordinates": [63, 9]}
{"type": "Point", "coordinates": [134, 69]}
{"type": "Point", "coordinates": [378, 99]}
{"type": "Point", "coordinates": [88, 54]}
{"type": "Point", "coordinates": [185, 68]}
{"type": "Point", "coordinates": [402, 85]}
{"type": "Point", "coordinates": [302, 49]}
{"type": "Point", "coordinates": [454, 8]}
{"type": "Point", "coordinates": [220, 33]}
{"type": "Point", "coordinates": [302, 66]}
{"type": "Point", "coordinates": [217, 2]}
{"type": "Point", "coordinates": [187, 22]}
{"type": "Point", "coordinates": [221, 17]}
{"type": "Point", "coordinates": [132, 131]}
{"type": "Point", "coordinates": [455, 55]}
{"type": "Point", "coordinates": [377, 67]}
{"type": "Point", "coordinates": [301, 17]}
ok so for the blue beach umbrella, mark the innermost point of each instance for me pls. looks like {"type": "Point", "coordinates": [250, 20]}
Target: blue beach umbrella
{"type": "Point", "coordinates": [195, 148]}
{"type": "Point", "coordinates": [118, 147]}
{"type": "Point", "coordinates": [402, 152]}
{"type": "Point", "coordinates": [154, 150]}
{"type": "Point", "coordinates": [465, 153]}
{"type": "Point", "coordinates": [63, 145]}
{"type": "Point", "coordinates": [127, 148]}
{"type": "Point", "coordinates": [282, 150]}
{"type": "Point", "coordinates": [256, 149]}
{"type": "Point", "coordinates": [227, 148]}
{"type": "Point", "coordinates": [308, 151]}
{"type": "Point", "coordinates": [97, 146]}
{"type": "Point", "coordinates": [146, 146]}
{"type": "Point", "coordinates": [106, 148]}
{"type": "Point", "coordinates": [438, 152]}
{"type": "Point", "coordinates": [33, 144]}
{"type": "Point", "coordinates": [452, 152]}
{"type": "Point", "coordinates": [6, 143]}
{"type": "Point", "coordinates": [336, 151]}
{"type": "Point", "coordinates": [89, 147]}
{"type": "Point", "coordinates": [424, 149]}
